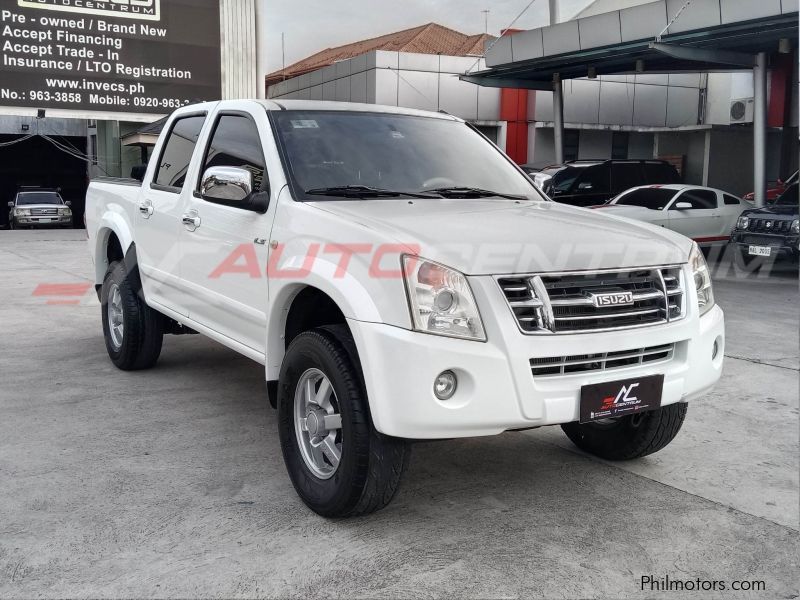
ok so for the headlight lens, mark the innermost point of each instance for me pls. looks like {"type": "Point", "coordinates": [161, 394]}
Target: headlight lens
{"type": "Point", "coordinates": [796, 226]}
{"type": "Point", "coordinates": [441, 300]}
{"type": "Point", "coordinates": [702, 280]}
{"type": "Point", "coordinates": [743, 223]}
{"type": "Point", "coordinates": [22, 212]}
{"type": "Point", "coordinates": [64, 212]}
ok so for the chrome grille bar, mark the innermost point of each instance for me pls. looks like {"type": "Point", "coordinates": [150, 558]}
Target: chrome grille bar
{"type": "Point", "coordinates": [568, 365]}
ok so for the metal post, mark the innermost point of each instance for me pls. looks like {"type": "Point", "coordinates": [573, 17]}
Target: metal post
{"type": "Point", "coordinates": [558, 118]}
{"type": "Point", "coordinates": [760, 129]}
{"type": "Point", "coordinates": [554, 16]}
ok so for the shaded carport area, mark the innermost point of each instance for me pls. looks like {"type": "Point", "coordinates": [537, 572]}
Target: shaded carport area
{"type": "Point", "coordinates": [663, 37]}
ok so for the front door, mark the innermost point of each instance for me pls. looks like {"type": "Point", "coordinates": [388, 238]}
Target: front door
{"type": "Point", "coordinates": [695, 214]}
{"type": "Point", "coordinates": [158, 216]}
{"type": "Point", "coordinates": [225, 248]}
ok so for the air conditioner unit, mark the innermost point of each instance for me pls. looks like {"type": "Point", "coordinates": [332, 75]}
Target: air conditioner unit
{"type": "Point", "coordinates": [742, 110]}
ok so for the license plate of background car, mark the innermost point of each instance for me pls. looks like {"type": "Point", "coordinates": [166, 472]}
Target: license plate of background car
{"type": "Point", "coordinates": [621, 398]}
{"type": "Point", "coordinates": [760, 251]}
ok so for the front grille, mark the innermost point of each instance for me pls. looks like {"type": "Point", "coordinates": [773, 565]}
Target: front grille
{"type": "Point", "coordinates": [761, 240]}
{"type": "Point", "coordinates": [41, 212]}
{"type": "Point", "coordinates": [770, 226]}
{"type": "Point", "coordinates": [606, 361]}
{"type": "Point", "coordinates": [569, 303]}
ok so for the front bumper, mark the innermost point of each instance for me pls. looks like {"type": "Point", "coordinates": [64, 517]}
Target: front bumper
{"type": "Point", "coordinates": [783, 246]}
{"type": "Point", "coordinates": [43, 221]}
{"type": "Point", "coordinates": [497, 390]}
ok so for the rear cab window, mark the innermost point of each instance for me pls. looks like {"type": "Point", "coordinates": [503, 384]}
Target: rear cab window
{"type": "Point", "coordinates": [173, 164]}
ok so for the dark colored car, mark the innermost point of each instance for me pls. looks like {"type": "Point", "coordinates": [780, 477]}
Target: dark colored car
{"type": "Point", "coordinates": [771, 231]}
{"type": "Point", "coordinates": [593, 182]}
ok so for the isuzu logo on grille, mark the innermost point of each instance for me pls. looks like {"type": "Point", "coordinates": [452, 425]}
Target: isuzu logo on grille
{"type": "Point", "coordinates": [612, 299]}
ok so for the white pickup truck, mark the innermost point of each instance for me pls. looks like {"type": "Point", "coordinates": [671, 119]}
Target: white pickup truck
{"type": "Point", "coordinates": [400, 279]}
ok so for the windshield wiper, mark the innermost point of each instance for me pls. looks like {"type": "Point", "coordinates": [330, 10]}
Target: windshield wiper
{"type": "Point", "coordinates": [470, 192]}
{"type": "Point", "coordinates": [364, 191]}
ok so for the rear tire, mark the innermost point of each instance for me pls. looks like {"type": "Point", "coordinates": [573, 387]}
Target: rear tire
{"type": "Point", "coordinates": [348, 471]}
{"type": "Point", "coordinates": [133, 331]}
{"type": "Point", "coordinates": [631, 437]}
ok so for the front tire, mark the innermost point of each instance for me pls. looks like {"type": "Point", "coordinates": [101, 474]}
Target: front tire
{"type": "Point", "coordinates": [338, 463]}
{"type": "Point", "coordinates": [627, 438]}
{"type": "Point", "coordinates": [133, 331]}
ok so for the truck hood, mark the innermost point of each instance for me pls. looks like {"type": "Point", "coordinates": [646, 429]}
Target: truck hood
{"type": "Point", "coordinates": [41, 206]}
{"type": "Point", "coordinates": [493, 237]}
{"type": "Point", "coordinates": [783, 211]}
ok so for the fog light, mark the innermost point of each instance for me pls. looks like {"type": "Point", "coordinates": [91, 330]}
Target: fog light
{"type": "Point", "coordinates": [445, 385]}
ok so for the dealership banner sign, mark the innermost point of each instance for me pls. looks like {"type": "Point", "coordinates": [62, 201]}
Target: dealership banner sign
{"type": "Point", "coordinates": [126, 56]}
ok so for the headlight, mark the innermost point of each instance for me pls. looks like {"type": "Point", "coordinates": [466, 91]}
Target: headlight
{"type": "Point", "coordinates": [441, 300]}
{"type": "Point", "coordinates": [22, 212]}
{"type": "Point", "coordinates": [796, 226]}
{"type": "Point", "coordinates": [743, 223]}
{"type": "Point", "coordinates": [64, 212]}
{"type": "Point", "coordinates": [702, 280]}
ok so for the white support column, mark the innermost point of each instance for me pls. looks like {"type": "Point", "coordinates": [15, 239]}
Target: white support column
{"type": "Point", "coordinates": [558, 118]}
{"type": "Point", "coordinates": [554, 12]}
{"type": "Point", "coordinates": [760, 129]}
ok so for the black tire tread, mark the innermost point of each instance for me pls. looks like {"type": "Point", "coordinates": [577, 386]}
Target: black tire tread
{"type": "Point", "coordinates": [656, 431]}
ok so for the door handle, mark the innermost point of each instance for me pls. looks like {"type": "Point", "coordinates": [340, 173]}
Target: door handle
{"type": "Point", "coordinates": [191, 221]}
{"type": "Point", "coordinates": [146, 208]}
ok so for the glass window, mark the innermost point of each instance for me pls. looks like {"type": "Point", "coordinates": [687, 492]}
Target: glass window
{"type": "Point", "coordinates": [593, 180]}
{"type": "Point", "coordinates": [625, 176]}
{"type": "Point", "coordinates": [236, 143]}
{"type": "Point", "coordinates": [177, 153]}
{"type": "Point", "coordinates": [731, 200]}
{"type": "Point", "coordinates": [652, 198]}
{"type": "Point", "coordinates": [661, 173]}
{"type": "Point", "coordinates": [31, 198]}
{"type": "Point", "coordinates": [402, 153]}
{"type": "Point", "coordinates": [699, 199]}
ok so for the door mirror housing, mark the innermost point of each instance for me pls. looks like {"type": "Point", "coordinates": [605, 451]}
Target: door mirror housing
{"type": "Point", "coordinates": [683, 206]}
{"type": "Point", "coordinates": [10, 205]}
{"type": "Point", "coordinates": [585, 186]}
{"type": "Point", "coordinates": [233, 186]}
{"type": "Point", "coordinates": [68, 203]}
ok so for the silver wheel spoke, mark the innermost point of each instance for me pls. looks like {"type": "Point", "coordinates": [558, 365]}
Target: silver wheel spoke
{"type": "Point", "coordinates": [333, 422]}
{"type": "Point", "coordinates": [323, 396]}
{"type": "Point", "coordinates": [330, 450]}
{"type": "Point", "coordinates": [310, 393]}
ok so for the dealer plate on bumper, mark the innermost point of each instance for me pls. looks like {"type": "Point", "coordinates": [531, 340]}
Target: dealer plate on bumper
{"type": "Point", "coordinates": [760, 251]}
{"type": "Point", "coordinates": [621, 398]}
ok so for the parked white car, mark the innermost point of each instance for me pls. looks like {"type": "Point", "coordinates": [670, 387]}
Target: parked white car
{"type": "Point", "coordinates": [703, 214]}
{"type": "Point", "coordinates": [399, 278]}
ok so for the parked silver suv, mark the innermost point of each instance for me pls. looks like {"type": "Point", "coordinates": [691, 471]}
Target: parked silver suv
{"type": "Point", "coordinates": [37, 207]}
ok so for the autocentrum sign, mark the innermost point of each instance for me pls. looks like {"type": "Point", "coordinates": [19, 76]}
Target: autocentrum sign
{"type": "Point", "coordinates": [125, 56]}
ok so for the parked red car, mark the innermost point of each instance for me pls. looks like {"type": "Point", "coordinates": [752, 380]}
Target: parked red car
{"type": "Point", "coordinates": [774, 192]}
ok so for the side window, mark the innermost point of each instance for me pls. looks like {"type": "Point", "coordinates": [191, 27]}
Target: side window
{"type": "Point", "coordinates": [177, 154]}
{"type": "Point", "coordinates": [661, 173]}
{"type": "Point", "coordinates": [625, 176]}
{"type": "Point", "coordinates": [731, 200]}
{"type": "Point", "coordinates": [593, 180]}
{"type": "Point", "coordinates": [236, 143]}
{"type": "Point", "coordinates": [699, 199]}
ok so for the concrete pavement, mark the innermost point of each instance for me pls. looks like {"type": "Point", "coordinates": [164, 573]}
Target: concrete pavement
{"type": "Point", "coordinates": [170, 483]}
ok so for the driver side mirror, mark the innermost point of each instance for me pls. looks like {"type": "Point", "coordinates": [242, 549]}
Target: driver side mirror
{"type": "Point", "coordinates": [10, 205]}
{"type": "Point", "coordinates": [232, 186]}
{"type": "Point", "coordinates": [684, 206]}
{"type": "Point", "coordinates": [68, 203]}
{"type": "Point", "coordinates": [585, 186]}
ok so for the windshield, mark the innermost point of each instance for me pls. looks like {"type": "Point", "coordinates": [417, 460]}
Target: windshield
{"type": "Point", "coordinates": [788, 198]}
{"type": "Point", "coordinates": [652, 198]}
{"type": "Point", "coordinates": [342, 154]}
{"type": "Point", "coordinates": [29, 198]}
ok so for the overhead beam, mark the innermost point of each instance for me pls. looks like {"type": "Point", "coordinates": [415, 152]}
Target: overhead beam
{"type": "Point", "coordinates": [722, 57]}
{"type": "Point", "coordinates": [508, 82]}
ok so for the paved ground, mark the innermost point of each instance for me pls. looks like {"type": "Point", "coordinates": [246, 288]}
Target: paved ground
{"type": "Point", "coordinates": [170, 483]}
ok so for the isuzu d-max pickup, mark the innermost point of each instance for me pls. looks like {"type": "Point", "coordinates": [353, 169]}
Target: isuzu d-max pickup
{"type": "Point", "coordinates": [400, 279]}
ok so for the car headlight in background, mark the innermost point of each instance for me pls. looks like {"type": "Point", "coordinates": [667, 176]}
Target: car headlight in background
{"type": "Point", "coordinates": [22, 212]}
{"type": "Point", "coordinates": [702, 280]}
{"type": "Point", "coordinates": [796, 226]}
{"type": "Point", "coordinates": [441, 300]}
{"type": "Point", "coordinates": [743, 223]}
{"type": "Point", "coordinates": [64, 212]}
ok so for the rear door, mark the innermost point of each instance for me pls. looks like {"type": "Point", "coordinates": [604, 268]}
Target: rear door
{"type": "Point", "coordinates": [158, 215]}
{"type": "Point", "coordinates": [701, 220]}
{"type": "Point", "coordinates": [225, 255]}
